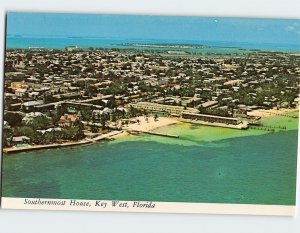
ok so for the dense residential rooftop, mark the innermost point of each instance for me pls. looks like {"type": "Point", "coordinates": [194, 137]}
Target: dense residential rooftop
{"type": "Point", "coordinates": [105, 86]}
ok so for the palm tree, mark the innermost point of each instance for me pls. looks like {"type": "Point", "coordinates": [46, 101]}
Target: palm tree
{"type": "Point", "coordinates": [104, 118]}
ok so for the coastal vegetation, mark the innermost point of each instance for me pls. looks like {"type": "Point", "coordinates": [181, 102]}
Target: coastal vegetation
{"type": "Point", "coordinates": [56, 96]}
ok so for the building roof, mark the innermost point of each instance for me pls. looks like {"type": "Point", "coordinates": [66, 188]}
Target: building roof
{"type": "Point", "coordinates": [68, 117]}
{"type": "Point", "coordinates": [32, 103]}
{"type": "Point", "coordinates": [20, 139]}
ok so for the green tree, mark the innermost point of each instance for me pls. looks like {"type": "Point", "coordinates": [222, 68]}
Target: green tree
{"type": "Point", "coordinates": [86, 114]}
{"type": "Point", "coordinates": [94, 129]}
{"type": "Point", "coordinates": [41, 123]}
{"type": "Point", "coordinates": [24, 131]}
{"type": "Point", "coordinates": [104, 119]}
{"type": "Point", "coordinates": [14, 119]}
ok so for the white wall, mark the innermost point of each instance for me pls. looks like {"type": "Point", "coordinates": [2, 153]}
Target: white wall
{"type": "Point", "coordinates": [48, 221]}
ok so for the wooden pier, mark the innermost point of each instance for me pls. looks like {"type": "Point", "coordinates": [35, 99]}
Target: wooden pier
{"type": "Point", "coordinates": [275, 127]}
{"type": "Point", "coordinates": [136, 132]}
{"type": "Point", "coordinates": [268, 128]}
{"type": "Point", "coordinates": [107, 136]}
{"type": "Point", "coordinates": [262, 128]}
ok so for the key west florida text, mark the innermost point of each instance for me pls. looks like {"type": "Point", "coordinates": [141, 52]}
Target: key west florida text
{"type": "Point", "coordinates": [150, 113]}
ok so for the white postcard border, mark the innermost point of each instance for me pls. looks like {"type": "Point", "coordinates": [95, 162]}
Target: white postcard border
{"type": "Point", "coordinates": [145, 206]}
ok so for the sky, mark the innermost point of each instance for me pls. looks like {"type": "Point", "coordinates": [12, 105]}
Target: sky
{"type": "Point", "coordinates": [185, 28]}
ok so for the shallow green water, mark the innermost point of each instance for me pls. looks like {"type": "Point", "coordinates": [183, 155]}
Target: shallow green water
{"type": "Point", "coordinates": [206, 164]}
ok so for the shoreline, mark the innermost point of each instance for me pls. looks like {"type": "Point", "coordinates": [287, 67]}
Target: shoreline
{"type": "Point", "coordinates": [240, 126]}
{"type": "Point", "coordinates": [150, 46]}
{"type": "Point", "coordinates": [146, 126]}
{"type": "Point", "coordinates": [149, 123]}
{"type": "Point", "coordinates": [142, 124]}
{"type": "Point", "coordinates": [11, 150]}
{"type": "Point", "coordinates": [267, 113]}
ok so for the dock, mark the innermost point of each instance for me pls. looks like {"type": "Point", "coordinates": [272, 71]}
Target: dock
{"type": "Point", "coordinates": [268, 127]}
{"type": "Point", "coordinates": [107, 136]}
{"type": "Point", "coordinates": [240, 126]}
{"type": "Point", "coordinates": [262, 128]}
{"type": "Point", "coordinates": [136, 132]}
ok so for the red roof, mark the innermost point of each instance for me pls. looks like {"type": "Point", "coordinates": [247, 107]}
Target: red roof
{"type": "Point", "coordinates": [70, 117]}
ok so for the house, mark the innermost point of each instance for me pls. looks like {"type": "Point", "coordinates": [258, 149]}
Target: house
{"type": "Point", "coordinates": [209, 104]}
{"type": "Point", "coordinates": [67, 120]}
{"type": "Point", "coordinates": [18, 85]}
{"type": "Point", "coordinates": [20, 139]}
{"type": "Point", "coordinates": [30, 116]}
{"type": "Point", "coordinates": [20, 92]}
{"type": "Point", "coordinates": [29, 106]}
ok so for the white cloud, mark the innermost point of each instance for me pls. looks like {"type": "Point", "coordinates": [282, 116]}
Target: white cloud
{"type": "Point", "coordinates": [290, 28]}
{"type": "Point", "coordinates": [294, 28]}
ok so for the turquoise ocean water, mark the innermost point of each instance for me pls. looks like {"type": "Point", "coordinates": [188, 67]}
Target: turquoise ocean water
{"type": "Point", "coordinates": [206, 164]}
{"type": "Point", "coordinates": [249, 167]}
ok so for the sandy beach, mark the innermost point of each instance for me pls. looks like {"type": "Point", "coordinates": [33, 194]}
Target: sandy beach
{"type": "Point", "coordinates": [146, 125]}
{"type": "Point", "coordinates": [271, 112]}
{"type": "Point", "coordinates": [151, 123]}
